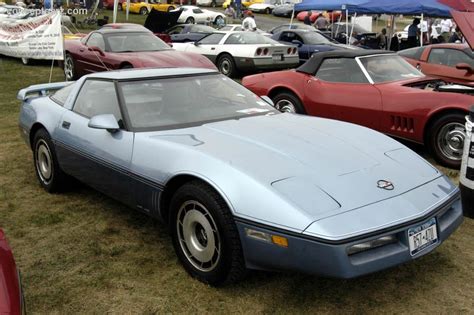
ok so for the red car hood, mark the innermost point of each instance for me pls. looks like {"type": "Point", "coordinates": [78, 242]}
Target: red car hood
{"type": "Point", "coordinates": [166, 58]}
{"type": "Point", "coordinates": [465, 21]}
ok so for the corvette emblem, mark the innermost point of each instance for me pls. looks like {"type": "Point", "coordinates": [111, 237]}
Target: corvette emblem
{"type": "Point", "coordinates": [385, 184]}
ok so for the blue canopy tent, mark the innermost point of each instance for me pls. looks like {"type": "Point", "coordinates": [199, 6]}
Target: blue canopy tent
{"type": "Point", "coordinates": [326, 5]}
{"type": "Point", "coordinates": [431, 8]}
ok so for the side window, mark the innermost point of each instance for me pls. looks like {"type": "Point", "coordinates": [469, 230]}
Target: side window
{"type": "Point", "coordinates": [197, 11]}
{"type": "Point", "coordinates": [60, 96]}
{"type": "Point", "coordinates": [345, 70]}
{"type": "Point", "coordinates": [451, 57]}
{"type": "Point", "coordinates": [412, 53]}
{"type": "Point", "coordinates": [176, 30]}
{"type": "Point", "coordinates": [212, 39]}
{"type": "Point", "coordinates": [287, 36]}
{"type": "Point", "coordinates": [97, 97]}
{"type": "Point", "coordinates": [96, 40]}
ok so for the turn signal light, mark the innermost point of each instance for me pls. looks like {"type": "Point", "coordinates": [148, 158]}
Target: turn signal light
{"type": "Point", "coordinates": [266, 237]}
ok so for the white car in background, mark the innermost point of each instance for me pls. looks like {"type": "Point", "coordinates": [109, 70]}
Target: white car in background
{"type": "Point", "coordinates": [238, 27]}
{"type": "Point", "coordinates": [234, 52]}
{"type": "Point", "coordinates": [210, 3]}
{"type": "Point", "coordinates": [266, 7]}
{"type": "Point", "coordinates": [191, 14]}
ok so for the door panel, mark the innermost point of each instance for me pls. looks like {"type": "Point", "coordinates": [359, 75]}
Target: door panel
{"type": "Point", "coordinates": [96, 157]}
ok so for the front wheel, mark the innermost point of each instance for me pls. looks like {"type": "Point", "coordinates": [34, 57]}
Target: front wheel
{"type": "Point", "coordinates": [171, 8]}
{"type": "Point", "coordinates": [446, 139]}
{"type": "Point", "coordinates": [190, 20]}
{"type": "Point", "coordinates": [226, 65]}
{"type": "Point", "coordinates": [205, 236]}
{"type": "Point", "coordinates": [287, 102]}
{"type": "Point", "coordinates": [49, 174]}
{"type": "Point", "coordinates": [25, 61]}
{"type": "Point", "coordinates": [219, 20]}
{"type": "Point", "coordinates": [69, 68]}
{"type": "Point", "coordinates": [143, 11]}
{"type": "Point", "coordinates": [268, 11]}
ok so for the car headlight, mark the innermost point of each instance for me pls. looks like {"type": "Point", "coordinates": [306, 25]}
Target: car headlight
{"type": "Point", "coordinates": [378, 242]}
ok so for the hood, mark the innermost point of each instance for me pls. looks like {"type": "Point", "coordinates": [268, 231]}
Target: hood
{"type": "Point", "coordinates": [304, 158]}
{"type": "Point", "coordinates": [158, 21]}
{"type": "Point", "coordinates": [465, 21]}
{"type": "Point", "coordinates": [168, 58]}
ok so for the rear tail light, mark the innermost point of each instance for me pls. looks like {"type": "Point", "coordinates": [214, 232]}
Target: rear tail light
{"type": "Point", "coordinates": [265, 51]}
{"type": "Point", "coordinates": [295, 50]}
{"type": "Point", "coordinates": [289, 50]}
{"type": "Point", "coordinates": [259, 51]}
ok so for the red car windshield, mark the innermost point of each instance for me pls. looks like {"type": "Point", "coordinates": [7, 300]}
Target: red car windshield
{"type": "Point", "coordinates": [135, 42]}
{"type": "Point", "coordinates": [385, 68]}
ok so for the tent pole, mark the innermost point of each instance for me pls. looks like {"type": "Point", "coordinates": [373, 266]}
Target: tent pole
{"type": "Point", "coordinates": [128, 10]}
{"type": "Point", "coordinates": [347, 27]}
{"type": "Point", "coordinates": [352, 24]}
{"type": "Point", "coordinates": [292, 15]}
{"type": "Point", "coordinates": [116, 2]}
{"type": "Point", "coordinates": [421, 33]}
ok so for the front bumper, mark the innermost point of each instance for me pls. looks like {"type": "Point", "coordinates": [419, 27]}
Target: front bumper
{"type": "Point", "coordinates": [325, 258]}
{"type": "Point", "coordinates": [247, 64]}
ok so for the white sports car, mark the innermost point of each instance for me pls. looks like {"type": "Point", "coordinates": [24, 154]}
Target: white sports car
{"type": "Point", "coordinates": [234, 52]}
{"type": "Point", "coordinates": [191, 14]}
{"type": "Point", "coordinates": [262, 7]}
{"type": "Point", "coordinates": [238, 27]}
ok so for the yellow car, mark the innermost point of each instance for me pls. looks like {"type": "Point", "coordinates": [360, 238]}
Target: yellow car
{"type": "Point", "coordinates": [245, 4]}
{"type": "Point", "coordinates": [141, 7]}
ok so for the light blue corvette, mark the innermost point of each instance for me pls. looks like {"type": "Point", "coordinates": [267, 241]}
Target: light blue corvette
{"type": "Point", "coordinates": [241, 185]}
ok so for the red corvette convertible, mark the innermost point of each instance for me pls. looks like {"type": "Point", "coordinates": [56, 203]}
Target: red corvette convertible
{"type": "Point", "coordinates": [376, 89]}
{"type": "Point", "coordinates": [11, 297]}
{"type": "Point", "coordinates": [451, 62]}
{"type": "Point", "coordinates": [112, 48]}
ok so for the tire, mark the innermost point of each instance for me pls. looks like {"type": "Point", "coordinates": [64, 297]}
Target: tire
{"type": "Point", "coordinates": [226, 65]}
{"type": "Point", "coordinates": [189, 20]}
{"type": "Point", "coordinates": [47, 169]}
{"type": "Point", "coordinates": [219, 18]}
{"type": "Point", "coordinates": [119, 7]}
{"type": "Point", "coordinates": [143, 11]}
{"type": "Point", "coordinates": [445, 139]}
{"type": "Point", "coordinates": [69, 68]}
{"type": "Point", "coordinates": [213, 4]}
{"type": "Point", "coordinates": [171, 8]}
{"type": "Point", "coordinates": [287, 102]}
{"type": "Point", "coordinates": [25, 61]}
{"type": "Point", "coordinates": [126, 66]}
{"type": "Point", "coordinates": [205, 236]}
{"type": "Point", "coordinates": [268, 11]}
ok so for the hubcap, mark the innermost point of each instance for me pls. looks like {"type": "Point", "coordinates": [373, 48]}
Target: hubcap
{"type": "Point", "coordinates": [285, 106]}
{"type": "Point", "coordinates": [198, 236]}
{"type": "Point", "coordinates": [451, 140]}
{"type": "Point", "coordinates": [225, 66]}
{"type": "Point", "coordinates": [69, 68]}
{"type": "Point", "coordinates": [43, 161]}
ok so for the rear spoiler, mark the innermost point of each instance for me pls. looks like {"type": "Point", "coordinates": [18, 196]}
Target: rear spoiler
{"type": "Point", "coordinates": [40, 90]}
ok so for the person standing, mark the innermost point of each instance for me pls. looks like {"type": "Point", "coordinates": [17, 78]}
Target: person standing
{"type": "Point", "coordinates": [321, 22]}
{"type": "Point", "coordinates": [248, 24]}
{"type": "Point", "coordinates": [413, 33]}
{"type": "Point", "coordinates": [382, 39]}
{"type": "Point", "coordinates": [446, 28]}
{"type": "Point", "coordinates": [307, 18]}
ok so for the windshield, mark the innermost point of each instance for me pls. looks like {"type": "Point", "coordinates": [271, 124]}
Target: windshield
{"type": "Point", "coordinates": [134, 42]}
{"type": "Point", "coordinates": [386, 68]}
{"type": "Point", "coordinates": [186, 101]}
{"type": "Point", "coordinates": [249, 38]}
{"type": "Point", "coordinates": [201, 29]}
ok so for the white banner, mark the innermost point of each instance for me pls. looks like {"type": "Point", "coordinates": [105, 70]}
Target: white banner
{"type": "Point", "coordinates": [34, 38]}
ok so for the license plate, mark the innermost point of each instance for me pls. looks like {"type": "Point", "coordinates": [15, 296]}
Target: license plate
{"type": "Point", "coordinates": [277, 57]}
{"type": "Point", "coordinates": [422, 236]}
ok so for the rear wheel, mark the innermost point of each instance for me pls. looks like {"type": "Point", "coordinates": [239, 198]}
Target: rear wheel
{"type": "Point", "coordinates": [171, 8]}
{"type": "Point", "coordinates": [25, 61]}
{"type": "Point", "coordinates": [213, 4]}
{"type": "Point", "coordinates": [268, 11]}
{"type": "Point", "coordinates": [226, 65]}
{"type": "Point", "coordinates": [205, 236]}
{"type": "Point", "coordinates": [143, 11]}
{"type": "Point", "coordinates": [190, 20]}
{"type": "Point", "coordinates": [446, 139]}
{"type": "Point", "coordinates": [50, 176]}
{"type": "Point", "coordinates": [287, 102]}
{"type": "Point", "coordinates": [126, 66]}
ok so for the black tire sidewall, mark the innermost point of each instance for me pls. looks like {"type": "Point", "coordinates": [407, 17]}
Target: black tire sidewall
{"type": "Point", "coordinates": [193, 191]}
{"type": "Point", "coordinates": [292, 98]}
{"type": "Point", "coordinates": [432, 139]}
{"type": "Point", "coordinates": [232, 71]}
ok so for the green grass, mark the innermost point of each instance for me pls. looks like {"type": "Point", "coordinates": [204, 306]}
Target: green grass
{"type": "Point", "coordinates": [81, 252]}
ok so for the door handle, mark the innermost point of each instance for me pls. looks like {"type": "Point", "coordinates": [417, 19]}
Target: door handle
{"type": "Point", "coordinates": [66, 124]}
